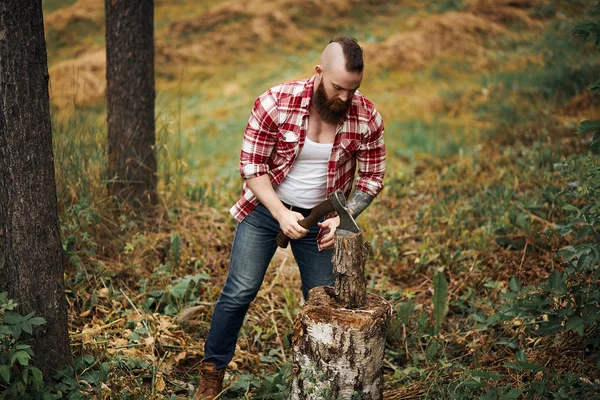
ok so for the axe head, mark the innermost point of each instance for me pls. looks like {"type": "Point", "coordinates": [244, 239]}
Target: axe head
{"type": "Point", "coordinates": [347, 222]}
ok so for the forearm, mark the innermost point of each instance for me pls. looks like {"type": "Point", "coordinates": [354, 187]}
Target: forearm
{"type": "Point", "coordinates": [358, 202]}
{"type": "Point", "coordinates": [263, 190]}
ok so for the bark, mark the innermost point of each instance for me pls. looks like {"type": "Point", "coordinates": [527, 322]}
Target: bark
{"type": "Point", "coordinates": [338, 352]}
{"type": "Point", "coordinates": [339, 335]}
{"type": "Point", "coordinates": [28, 211]}
{"type": "Point", "coordinates": [130, 95]}
{"type": "Point", "coordinates": [349, 268]}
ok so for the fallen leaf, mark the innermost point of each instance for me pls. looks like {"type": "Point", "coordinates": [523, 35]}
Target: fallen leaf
{"type": "Point", "coordinates": [160, 383]}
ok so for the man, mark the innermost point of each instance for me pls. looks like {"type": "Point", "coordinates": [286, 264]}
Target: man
{"type": "Point", "coordinates": [303, 141]}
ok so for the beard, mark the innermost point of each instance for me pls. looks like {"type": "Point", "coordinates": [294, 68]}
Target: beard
{"type": "Point", "coordinates": [332, 110]}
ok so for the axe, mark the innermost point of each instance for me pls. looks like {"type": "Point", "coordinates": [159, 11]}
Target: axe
{"type": "Point", "coordinates": [335, 202]}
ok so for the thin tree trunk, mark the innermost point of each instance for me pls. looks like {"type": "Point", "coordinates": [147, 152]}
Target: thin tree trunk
{"type": "Point", "coordinates": [130, 96]}
{"type": "Point", "coordinates": [28, 210]}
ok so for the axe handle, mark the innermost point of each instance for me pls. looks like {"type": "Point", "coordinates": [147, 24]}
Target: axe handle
{"type": "Point", "coordinates": [318, 211]}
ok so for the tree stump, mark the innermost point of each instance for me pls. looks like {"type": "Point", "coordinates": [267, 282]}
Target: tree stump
{"type": "Point", "coordinates": [339, 335]}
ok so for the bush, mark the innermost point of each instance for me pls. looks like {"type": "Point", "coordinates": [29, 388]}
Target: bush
{"type": "Point", "coordinates": [18, 378]}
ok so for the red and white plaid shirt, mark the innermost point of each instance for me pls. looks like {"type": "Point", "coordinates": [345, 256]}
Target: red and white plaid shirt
{"type": "Point", "coordinates": [276, 132]}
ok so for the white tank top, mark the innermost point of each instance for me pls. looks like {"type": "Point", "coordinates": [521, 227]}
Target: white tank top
{"type": "Point", "coordinates": [305, 185]}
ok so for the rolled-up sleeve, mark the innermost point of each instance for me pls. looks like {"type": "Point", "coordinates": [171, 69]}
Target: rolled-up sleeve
{"type": "Point", "coordinates": [259, 137]}
{"type": "Point", "coordinates": [371, 157]}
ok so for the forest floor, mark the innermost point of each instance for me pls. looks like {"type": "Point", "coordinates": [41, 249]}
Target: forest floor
{"type": "Point", "coordinates": [481, 99]}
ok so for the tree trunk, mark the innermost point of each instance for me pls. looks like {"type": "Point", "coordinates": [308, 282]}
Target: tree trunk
{"type": "Point", "coordinates": [338, 352]}
{"type": "Point", "coordinates": [130, 96]}
{"type": "Point", "coordinates": [339, 335]}
{"type": "Point", "coordinates": [28, 212]}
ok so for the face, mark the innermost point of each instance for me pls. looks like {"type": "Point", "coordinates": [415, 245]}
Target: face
{"type": "Point", "coordinates": [334, 93]}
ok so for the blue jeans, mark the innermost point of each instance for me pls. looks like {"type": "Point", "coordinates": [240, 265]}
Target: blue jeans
{"type": "Point", "coordinates": [253, 248]}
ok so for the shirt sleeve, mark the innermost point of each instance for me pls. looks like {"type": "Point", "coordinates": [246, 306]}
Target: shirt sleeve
{"type": "Point", "coordinates": [259, 137]}
{"type": "Point", "coordinates": [371, 157]}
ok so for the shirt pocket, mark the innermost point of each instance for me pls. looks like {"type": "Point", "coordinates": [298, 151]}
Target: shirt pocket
{"type": "Point", "coordinates": [347, 149]}
{"type": "Point", "coordinates": [286, 145]}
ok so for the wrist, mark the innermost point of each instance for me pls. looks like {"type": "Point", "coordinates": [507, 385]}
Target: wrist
{"type": "Point", "coordinates": [278, 211]}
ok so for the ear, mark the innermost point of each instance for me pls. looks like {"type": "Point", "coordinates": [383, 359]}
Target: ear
{"type": "Point", "coordinates": [318, 70]}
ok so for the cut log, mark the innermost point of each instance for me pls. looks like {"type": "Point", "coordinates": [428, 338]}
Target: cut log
{"type": "Point", "coordinates": [349, 268]}
{"type": "Point", "coordinates": [339, 335]}
{"type": "Point", "coordinates": [338, 352]}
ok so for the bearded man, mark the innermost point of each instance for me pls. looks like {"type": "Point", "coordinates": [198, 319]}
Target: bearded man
{"type": "Point", "coordinates": [304, 140]}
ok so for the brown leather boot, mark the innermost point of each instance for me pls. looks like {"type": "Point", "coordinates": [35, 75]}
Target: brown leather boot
{"type": "Point", "coordinates": [211, 381]}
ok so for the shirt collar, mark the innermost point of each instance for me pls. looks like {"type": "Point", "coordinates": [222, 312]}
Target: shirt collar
{"type": "Point", "coordinates": [308, 92]}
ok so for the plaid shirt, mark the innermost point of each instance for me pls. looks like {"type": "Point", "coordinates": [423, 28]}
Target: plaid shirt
{"type": "Point", "coordinates": [276, 132]}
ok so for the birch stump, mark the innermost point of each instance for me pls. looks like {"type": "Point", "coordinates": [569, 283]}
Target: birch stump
{"type": "Point", "coordinates": [339, 335]}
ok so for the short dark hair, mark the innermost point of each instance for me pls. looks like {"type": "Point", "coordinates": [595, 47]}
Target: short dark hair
{"type": "Point", "coordinates": [352, 52]}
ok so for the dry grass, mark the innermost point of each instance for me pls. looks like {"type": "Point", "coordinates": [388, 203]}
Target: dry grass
{"type": "Point", "coordinates": [80, 81]}
{"type": "Point", "coordinates": [508, 11]}
{"type": "Point", "coordinates": [265, 21]}
{"type": "Point", "coordinates": [457, 33]}
{"type": "Point", "coordinates": [232, 28]}
{"type": "Point", "coordinates": [82, 10]}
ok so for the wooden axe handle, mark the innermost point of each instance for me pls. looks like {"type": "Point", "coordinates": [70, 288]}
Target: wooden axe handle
{"type": "Point", "coordinates": [315, 215]}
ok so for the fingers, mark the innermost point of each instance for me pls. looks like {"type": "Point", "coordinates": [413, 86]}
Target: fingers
{"type": "Point", "coordinates": [328, 228]}
{"type": "Point", "coordinates": [290, 227]}
{"type": "Point", "coordinates": [327, 242]}
{"type": "Point", "coordinates": [330, 223]}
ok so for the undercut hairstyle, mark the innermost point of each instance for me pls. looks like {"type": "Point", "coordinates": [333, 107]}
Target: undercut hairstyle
{"type": "Point", "coordinates": [352, 53]}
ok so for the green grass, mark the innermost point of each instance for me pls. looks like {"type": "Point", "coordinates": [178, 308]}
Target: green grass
{"type": "Point", "coordinates": [439, 139]}
{"type": "Point", "coordinates": [80, 158]}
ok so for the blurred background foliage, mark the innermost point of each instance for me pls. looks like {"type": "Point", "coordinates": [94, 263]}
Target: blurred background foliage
{"type": "Point", "coordinates": [485, 237]}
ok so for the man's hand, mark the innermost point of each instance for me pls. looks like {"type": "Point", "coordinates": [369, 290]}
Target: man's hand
{"type": "Point", "coordinates": [328, 227]}
{"type": "Point", "coordinates": [288, 222]}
